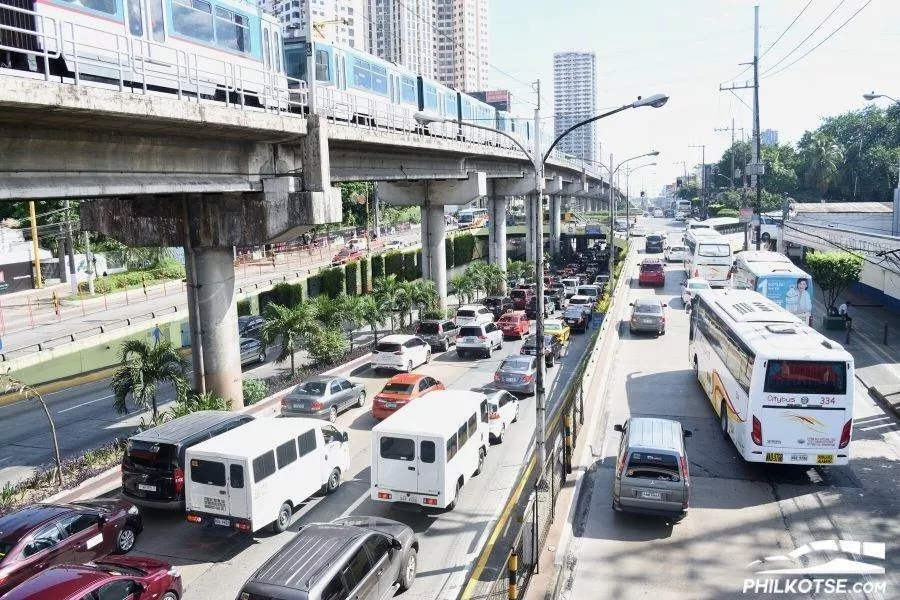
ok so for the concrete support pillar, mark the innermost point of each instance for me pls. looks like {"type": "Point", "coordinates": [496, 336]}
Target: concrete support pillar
{"type": "Point", "coordinates": [555, 225]}
{"type": "Point", "coordinates": [218, 323]}
{"type": "Point", "coordinates": [426, 248]}
{"type": "Point", "coordinates": [193, 322]}
{"type": "Point", "coordinates": [434, 239]}
{"type": "Point", "coordinates": [529, 229]}
{"type": "Point", "coordinates": [497, 232]}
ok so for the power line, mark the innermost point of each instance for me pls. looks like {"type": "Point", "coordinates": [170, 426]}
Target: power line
{"type": "Point", "coordinates": [801, 57]}
{"type": "Point", "coordinates": [803, 41]}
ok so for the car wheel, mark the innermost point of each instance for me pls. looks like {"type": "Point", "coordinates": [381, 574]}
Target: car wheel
{"type": "Point", "coordinates": [408, 573]}
{"type": "Point", "coordinates": [489, 352]}
{"type": "Point", "coordinates": [169, 596]}
{"type": "Point", "coordinates": [550, 362]}
{"type": "Point", "coordinates": [501, 434]}
{"type": "Point", "coordinates": [283, 519]}
{"type": "Point", "coordinates": [766, 237]}
{"type": "Point", "coordinates": [334, 481]}
{"type": "Point", "coordinates": [445, 346]}
{"type": "Point", "coordinates": [481, 454]}
{"type": "Point", "coordinates": [500, 344]}
{"type": "Point", "coordinates": [361, 401]}
{"type": "Point", "coordinates": [516, 416]}
{"type": "Point", "coordinates": [460, 353]}
{"type": "Point", "coordinates": [723, 419]}
{"type": "Point", "coordinates": [333, 414]}
{"type": "Point", "coordinates": [409, 367]}
{"type": "Point", "coordinates": [428, 357]}
{"type": "Point", "coordinates": [262, 356]}
{"type": "Point", "coordinates": [125, 539]}
{"type": "Point", "coordinates": [452, 504]}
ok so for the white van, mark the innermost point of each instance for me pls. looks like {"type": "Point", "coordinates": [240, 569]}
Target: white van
{"type": "Point", "coordinates": [248, 478]}
{"type": "Point", "coordinates": [426, 452]}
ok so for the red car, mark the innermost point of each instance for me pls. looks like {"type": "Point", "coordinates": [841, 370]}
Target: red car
{"type": "Point", "coordinates": [400, 390]}
{"type": "Point", "coordinates": [118, 578]}
{"type": "Point", "coordinates": [652, 272]}
{"type": "Point", "coordinates": [43, 535]}
{"type": "Point", "coordinates": [514, 324]}
{"type": "Point", "coordinates": [520, 297]}
{"type": "Point", "coordinates": [346, 255]}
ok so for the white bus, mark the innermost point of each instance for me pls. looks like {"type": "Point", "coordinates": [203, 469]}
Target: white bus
{"type": "Point", "coordinates": [251, 477]}
{"type": "Point", "coordinates": [774, 276]}
{"type": "Point", "coordinates": [682, 209]}
{"type": "Point", "coordinates": [472, 217]}
{"type": "Point", "coordinates": [708, 255]}
{"type": "Point", "coordinates": [782, 391]}
{"type": "Point", "coordinates": [424, 453]}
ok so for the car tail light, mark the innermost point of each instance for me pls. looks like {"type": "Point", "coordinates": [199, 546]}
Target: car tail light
{"type": "Point", "coordinates": [284, 403]}
{"type": "Point", "coordinates": [194, 518]}
{"type": "Point", "coordinates": [527, 377]}
{"type": "Point", "coordinates": [399, 352]}
{"type": "Point", "coordinates": [685, 470]}
{"type": "Point", "coordinates": [384, 495]}
{"type": "Point", "coordinates": [845, 434]}
{"type": "Point", "coordinates": [316, 405]}
{"type": "Point", "coordinates": [756, 434]}
{"type": "Point", "coordinates": [496, 376]}
{"type": "Point", "coordinates": [242, 526]}
{"type": "Point", "coordinates": [178, 477]}
{"type": "Point", "coordinates": [430, 501]}
{"type": "Point", "coordinates": [696, 272]}
{"type": "Point", "coordinates": [482, 337]}
{"type": "Point", "coordinates": [493, 416]}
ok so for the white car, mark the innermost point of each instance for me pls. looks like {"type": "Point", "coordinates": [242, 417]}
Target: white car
{"type": "Point", "coordinates": [482, 338]}
{"type": "Point", "coordinates": [583, 302]}
{"type": "Point", "coordinates": [638, 231]}
{"type": "Point", "coordinates": [503, 411]}
{"type": "Point", "coordinates": [674, 253]}
{"type": "Point", "coordinates": [394, 245]}
{"type": "Point", "coordinates": [473, 314]}
{"type": "Point", "coordinates": [657, 213]}
{"type": "Point", "coordinates": [691, 286]}
{"type": "Point", "coordinates": [401, 353]}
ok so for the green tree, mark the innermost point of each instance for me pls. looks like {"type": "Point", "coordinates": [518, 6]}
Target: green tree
{"type": "Point", "coordinates": [423, 295]}
{"type": "Point", "coordinates": [387, 291]}
{"type": "Point", "coordinates": [327, 345]}
{"type": "Point", "coordinates": [742, 153]}
{"type": "Point", "coordinates": [464, 287]}
{"type": "Point", "coordinates": [372, 313]}
{"type": "Point", "coordinates": [687, 192]}
{"type": "Point", "coordinates": [352, 316]}
{"type": "Point", "coordinates": [823, 158]}
{"type": "Point", "coordinates": [834, 272]}
{"type": "Point", "coordinates": [329, 311]}
{"type": "Point", "coordinates": [782, 162]}
{"type": "Point", "coordinates": [494, 279]}
{"type": "Point", "coordinates": [293, 326]}
{"type": "Point", "coordinates": [143, 368]}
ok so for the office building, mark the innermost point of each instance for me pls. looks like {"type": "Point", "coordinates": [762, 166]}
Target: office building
{"type": "Point", "coordinates": [768, 137]}
{"type": "Point", "coordinates": [575, 99]}
{"type": "Point", "coordinates": [461, 43]}
{"type": "Point", "coordinates": [340, 21]}
{"type": "Point", "coordinates": [402, 33]}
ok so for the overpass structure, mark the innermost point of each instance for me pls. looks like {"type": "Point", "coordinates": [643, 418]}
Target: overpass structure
{"type": "Point", "coordinates": [168, 169]}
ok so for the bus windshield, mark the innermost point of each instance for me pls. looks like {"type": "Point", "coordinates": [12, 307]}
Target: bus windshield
{"type": "Point", "coordinates": [805, 377]}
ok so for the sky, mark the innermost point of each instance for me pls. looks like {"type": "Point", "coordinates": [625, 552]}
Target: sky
{"type": "Point", "coordinates": [687, 49]}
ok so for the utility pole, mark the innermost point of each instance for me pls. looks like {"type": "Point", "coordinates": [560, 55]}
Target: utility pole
{"type": "Point", "coordinates": [731, 129]}
{"type": "Point", "coordinates": [89, 258]}
{"type": "Point", "coordinates": [702, 178]}
{"type": "Point", "coordinates": [310, 59]}
{"type": "Point", "coordinates": [73, 277]}
{"type": "Point", "coordinates": [757, 170]}
{"type": "Point", "coordinates": [35, 248]}
{"type": "Point", "coordinates": [61, 250]}
{"type": "Point", "coordinates": [540, 396]}
{"type": "Point", "coordinates": [611, 246]}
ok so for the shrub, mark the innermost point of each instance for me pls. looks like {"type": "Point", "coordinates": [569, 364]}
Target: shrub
{"type": "Point", "coordinates": [411, 270]}
{"type": "Point", "coordinates": [351, 280]}
{"type": "Point", "coordinates": [331, 281]}
{"type": "Point", "coordinates": [463, 249]}
{"type": "Point", "coordinates": [728, 212]}
{"type": "Point", "coordinates": [254, 391]}
{"type": "Point", "coordinates": [243, 307]}
{"type": "Point", "coordinates": [168, 268]}
{"type": "Point", "coordinates": [393, 264]}
{"type": "Point", "coordinates": [327, 346]}
{"type": "Point", "coordinates": [449, 252]}
{"type": "Point", "coordinates": [285, 294]}
{"type": "Point", "coordinates": [377, 266]}
{"type": "Point", "coordinates": [364, 276]}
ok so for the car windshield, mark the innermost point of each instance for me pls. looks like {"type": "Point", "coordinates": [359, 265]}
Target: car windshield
{"type": "Point", "coordinates": [698, 286]}
{"type": "Point", "coordinates": [493, 301]}
{"type": "Point", "coordinates": [654, 239]}
{"type": "Point", "coordinates": [509, 319]}
{"type": "Point", "coordinates": [714, 250]}
{"type": "Point", "coordinates": [398, 388]}
{"type": "Point", "coordinates": [429, 328]}
{"type": "Point", "coordinates": [312, 388]}
{"type": "Point", "coordinates": [150, 454]}
{"type": "Point", "coordinates": [465, 313]}
{"type": "Point", "coordinates": [548, 326]}
{"type": "Point", "coordinates": [117, 570]}
{"type": "Point", "coordinates": [388, 347]}
{"type": "Point", "coordinates": [470, 331]}
{"type": "Point", "coordinates": [517, 293]}
{"type": "Point", "coordinates": [676, 249]}
{"type": "Point", "coordinates": [516, 366]}
{"type": "Point", "coordinates": [651, 267]}
{"type": "Point", "coordinates": [532, 342]}
{"type": "Point", "coordinates": [580, 301]}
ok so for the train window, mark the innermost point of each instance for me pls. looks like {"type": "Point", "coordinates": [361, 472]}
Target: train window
{"type": "Point", "coordinates": [430, 98]}
{"type": "Point", "coordinates": [276, 50]}
{"type": "Point", "coordinates": [266, 50]}
{"type": "Point", "coordinates": [135, 18]}
{"type": "Point", "coordinates": [157, 20]}
{"type": "Point", "coordinates": [407, 90]}
{"type": "Point", "coordinates": [193, 18]}
{"type": "Point", "coordinates": [232, 30]}
{"type": "Point", "coordinates": [104, 6]}
{"type": "Point", "coordinates": [362, 76]}
{"type": "Point", "coordinates": [323, 66]}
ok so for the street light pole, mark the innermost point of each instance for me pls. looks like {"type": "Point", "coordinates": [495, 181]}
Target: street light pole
{"type": "Point", "coordinates": [895, 222]}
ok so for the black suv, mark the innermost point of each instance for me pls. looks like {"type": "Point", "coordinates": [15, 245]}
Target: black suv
{"type": "Point", "coordinates": [153, 464]}
{"type": "Point", "coordinates": [552, 349]}
{"type": "Point", "coordinates": [439, 333]}
{"type": "Point", "coordinates": [353, 557]}
{"type": "Point", "coordinates": [498, 305]}
{"type": "Point", "coordinates": [531, 310]}
{"type": "Point", "coordinates": [653, 244]}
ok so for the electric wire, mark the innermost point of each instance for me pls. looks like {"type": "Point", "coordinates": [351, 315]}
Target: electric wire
{"type": "Point", "coordinates": [803, 41]}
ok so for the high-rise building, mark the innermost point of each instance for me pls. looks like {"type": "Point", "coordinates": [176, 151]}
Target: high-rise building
{"type": "Point", "coordinates": [341, 20]}
{"type": "Point", "coordinates": [575, 99]}
{"type": "Point", "coordinates": [768, 137]}
{"type": "Point", "coordinates": [403, 33]}
{"type": "Point", "coordinates": [461, 43]}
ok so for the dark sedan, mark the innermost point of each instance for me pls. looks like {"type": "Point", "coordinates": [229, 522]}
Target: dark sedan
{"type": "Point", "coordinates": [43, 535]}
{"type": "Point", "coordinates": [552, 349]}
{"type": "Point", "coordinates": [577, 317]}
{"type": "Point", "coordinates": [323, 396]}
{"type": "Point", "coordinates": [517, 374]}
{"type": "Point", "coordinates": [498, 305]}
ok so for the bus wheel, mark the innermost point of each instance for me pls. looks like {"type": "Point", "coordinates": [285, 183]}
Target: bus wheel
{"type": "Point", "coordinates": [723, 419]}
{"type": "Point", "coordinates": [696, 367]}
{"type": "Point", "coordinates": [480, 461]}
{"type": "Point", "coordinates": [452, 505]}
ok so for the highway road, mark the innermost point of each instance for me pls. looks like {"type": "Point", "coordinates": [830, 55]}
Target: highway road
{"type": "Point", "coordinates": [214, 564]}
{"type": "Point", "coordinates": [739, 512]}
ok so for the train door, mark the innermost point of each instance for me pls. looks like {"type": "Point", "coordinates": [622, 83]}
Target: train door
{"type": "Point", "coordinates": [146, 26]}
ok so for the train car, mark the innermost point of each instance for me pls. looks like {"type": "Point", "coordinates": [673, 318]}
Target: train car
{"type": "Point", "coordinates": [472, 110]}
{"type": "Point", "coordinates": [439, 102]}
{"type": "Point", "coordinates": [225, 49]}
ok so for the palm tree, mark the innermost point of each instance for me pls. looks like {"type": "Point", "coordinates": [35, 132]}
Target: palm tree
{"type": "Point", "coordinates": [464, 287]}
{"type": "Point", "coordinates": [494, 277]}
{"type": "Point", "coordinates": [387, 291]}
{"type": "Point", "coordinates": [292, 326]}
{"type": "Point", "coordinates": [423, 295]}
{"type": "Point", "coordinates": [143, 368]}
{"type": "Point", "coordinates": [404, 301]}
{"type": "Point", "coordinates": [329, 311]}
{"type": "Point", "coordinates": [825, 157]}
{"type": "Point", "coordinates": [352, 315]}
{"type": "Point", "coordinates": [372, 312]}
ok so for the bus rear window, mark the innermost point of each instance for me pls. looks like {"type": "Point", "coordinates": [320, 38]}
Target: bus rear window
{"type": "Point", "coordinates": [714, 250]}
{"type": "Point", "coordinates": [805, 377]}
{"type": "Point", "coordinates": [396, 448]}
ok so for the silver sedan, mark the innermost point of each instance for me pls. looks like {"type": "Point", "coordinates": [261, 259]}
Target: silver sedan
{"type": "Point", "coordinates": [323, 397]}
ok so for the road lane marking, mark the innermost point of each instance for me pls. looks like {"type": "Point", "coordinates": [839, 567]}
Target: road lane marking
{"type": "Point", "coordinates": [355, 505]}
{"type": "Point", "coordinates": [5, 459]}
{"type": "Point", "coordinates": [59, 412]}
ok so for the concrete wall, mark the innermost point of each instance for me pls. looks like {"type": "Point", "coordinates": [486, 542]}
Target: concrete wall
{"type": "Point", "coordinates": [870, 222]}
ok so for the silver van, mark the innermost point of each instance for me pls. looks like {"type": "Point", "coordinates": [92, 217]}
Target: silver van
{"type": "Point", "coordinates": [652, 474]}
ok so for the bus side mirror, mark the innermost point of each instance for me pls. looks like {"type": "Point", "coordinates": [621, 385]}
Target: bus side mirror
{"type": "Point", "coordinates": [618, 428]}
{"type": "Point", "coordinates": [688, 433]}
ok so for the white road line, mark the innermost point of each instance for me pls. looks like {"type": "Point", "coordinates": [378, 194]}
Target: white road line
{"type": "Point", "coordinates": [355, 505]}
{"type": "Point", "coordinates": [5, 459]}
{"type": "Point", "coordinates": [59, 412]}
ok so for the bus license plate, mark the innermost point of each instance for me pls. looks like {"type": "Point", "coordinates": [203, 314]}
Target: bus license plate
{"type": "Point", "coordinates": [799, 458]}
{"type": "Point", "coordinates": [223, 522]}
{"type": "Point", "coordinates": [774, 457]}
{"type": "Point", "coordinates": [825, 459]}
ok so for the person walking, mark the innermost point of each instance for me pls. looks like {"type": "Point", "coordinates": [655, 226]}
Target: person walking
{"type": "Point", "coordinates": [157, 334]}
{"type": "Point", "coordinates": [843, 311]}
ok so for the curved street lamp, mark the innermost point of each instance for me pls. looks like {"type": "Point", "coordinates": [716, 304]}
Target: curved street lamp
{"type": "Point", "coordinates": [873, 96]}
{"type": "Point", "coordinates": [537, 161]}
{"type": "Point", "coordinates": [895, 227]}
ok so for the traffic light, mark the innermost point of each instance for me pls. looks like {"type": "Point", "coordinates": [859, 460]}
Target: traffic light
{"type": "Point", "coordinates": [643, 194]}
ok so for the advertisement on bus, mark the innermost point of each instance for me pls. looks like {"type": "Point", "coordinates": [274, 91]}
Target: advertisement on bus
{"type": "Point", "coordinates": [794, 294]}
